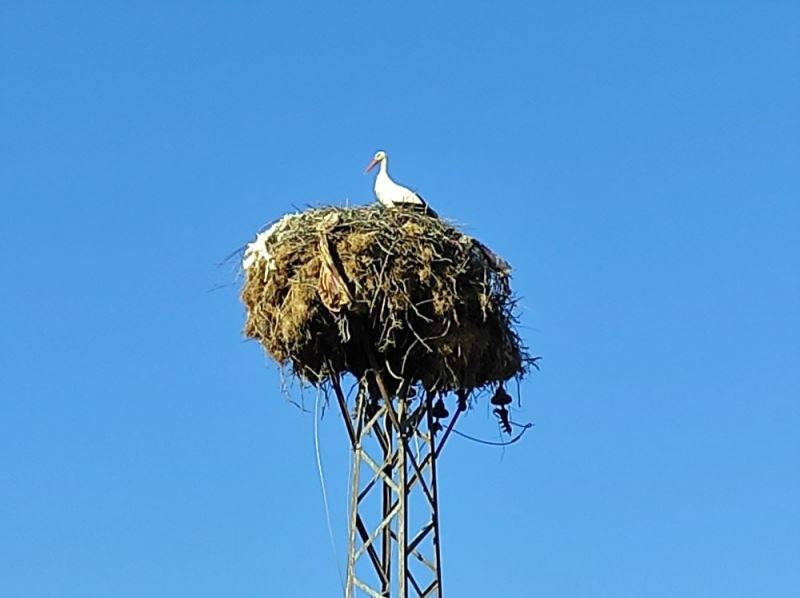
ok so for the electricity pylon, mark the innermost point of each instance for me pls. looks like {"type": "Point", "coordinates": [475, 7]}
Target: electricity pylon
{"type": "Point", "coordinates": [394, 540]}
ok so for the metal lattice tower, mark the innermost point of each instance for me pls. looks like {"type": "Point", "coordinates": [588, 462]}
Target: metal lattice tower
{"type": "Point", "coordinates": [394, 547]}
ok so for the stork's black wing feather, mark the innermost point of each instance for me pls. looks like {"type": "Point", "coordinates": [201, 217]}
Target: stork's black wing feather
{"type": "Point", "coordinates": [425, 208]}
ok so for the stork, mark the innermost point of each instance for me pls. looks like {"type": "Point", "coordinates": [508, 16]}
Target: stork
{"type": "Point", "coordinates": [392, 195]}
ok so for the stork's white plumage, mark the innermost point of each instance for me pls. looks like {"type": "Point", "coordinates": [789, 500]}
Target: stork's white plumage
{"type": "Point", "coordinates": [392, 195]}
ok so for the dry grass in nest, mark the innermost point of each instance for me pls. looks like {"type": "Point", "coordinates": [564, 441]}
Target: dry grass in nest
{"type": "Point", "coordinates": [433, 304]}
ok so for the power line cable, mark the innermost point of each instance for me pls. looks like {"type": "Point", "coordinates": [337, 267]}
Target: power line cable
{"type": "Point", "coordinates": [325, 492]}
{"type": "Point", "coordinates": [525, 428]}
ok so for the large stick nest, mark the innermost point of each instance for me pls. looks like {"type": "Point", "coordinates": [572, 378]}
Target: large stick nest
{"type": "Point", "coordinates": [326, 287]}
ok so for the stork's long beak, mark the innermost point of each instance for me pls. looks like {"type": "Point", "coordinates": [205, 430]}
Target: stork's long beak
{"type": "Point", "coordinates": [371, 165]}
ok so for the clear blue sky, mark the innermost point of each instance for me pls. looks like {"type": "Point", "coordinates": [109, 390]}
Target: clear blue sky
{"type": "Point", "coordinates": [637, 162]}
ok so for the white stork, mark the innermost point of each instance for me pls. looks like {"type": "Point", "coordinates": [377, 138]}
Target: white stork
{"type": "Point", "coordinates": [392, 195]}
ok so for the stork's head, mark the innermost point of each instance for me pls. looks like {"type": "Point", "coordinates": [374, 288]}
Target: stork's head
{"type": "Point", "coordinates": [379, 157]}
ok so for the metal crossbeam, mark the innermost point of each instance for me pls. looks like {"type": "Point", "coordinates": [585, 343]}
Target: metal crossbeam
{"type": "Point", "coordinates": [394, 513]}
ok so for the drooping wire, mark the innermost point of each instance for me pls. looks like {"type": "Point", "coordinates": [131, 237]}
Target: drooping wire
{"type": "Point", "coordinates": [525, 428]}
{"type": "Point", "coordinates": [325, 492]}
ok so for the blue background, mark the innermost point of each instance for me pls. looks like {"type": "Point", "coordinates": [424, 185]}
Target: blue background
{"type": "Point", "coordinates": [637, 162]}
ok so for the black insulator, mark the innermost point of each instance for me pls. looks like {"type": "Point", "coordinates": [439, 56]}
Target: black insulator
{"type": "Point", "coordinates": [504, 418]}
{"type": "Point", "coordinates": [439, 410]}
{"type": "Point", "coordinates": [501, 398]}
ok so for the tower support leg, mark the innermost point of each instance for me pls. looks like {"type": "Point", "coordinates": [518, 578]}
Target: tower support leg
{"type": "Point", "coordinates": [394, 511]}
